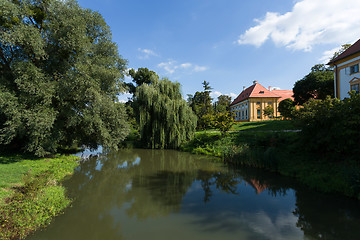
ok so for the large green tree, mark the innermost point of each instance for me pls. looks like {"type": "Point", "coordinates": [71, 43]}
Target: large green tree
{"type": "Point", "coordinates": [165, 119]}
{"type": "Point", "coordinates": [286, 107]}
{"type": "Point", "coordinates": [318, 84]}
{"type": "Point", "coordinates": [222, 105]}
{"type": "Point", "coordinates": [60, 74]}
{"type": "Point", "coordinates": [141, 76]}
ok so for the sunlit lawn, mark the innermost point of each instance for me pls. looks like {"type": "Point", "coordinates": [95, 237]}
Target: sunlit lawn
{"type": "Point", "coordinates": [272, 125]}
{"type": "Point", "coordinates": [13, 168]}
{"type": "Point", "coordinates": [261, 126]}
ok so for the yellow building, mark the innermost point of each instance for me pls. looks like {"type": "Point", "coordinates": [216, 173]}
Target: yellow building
{"type": "Point", "coordinates": [252, 101]}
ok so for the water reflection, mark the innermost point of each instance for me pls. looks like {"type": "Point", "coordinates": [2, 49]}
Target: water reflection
{"type": "Point", "coordinates": [145, 194]}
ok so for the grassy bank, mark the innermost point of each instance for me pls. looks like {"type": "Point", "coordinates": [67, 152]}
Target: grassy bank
{"type": "Point", "coordinates": [280, 151]}
{"type": "Point", "coordinates": [31, 193]}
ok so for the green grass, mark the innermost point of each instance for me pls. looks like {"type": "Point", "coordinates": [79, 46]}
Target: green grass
{"type": "Point", "coordinates": [261, 126]}
{"type": "Point", "coordinates": [13, 168]}
{"type": "Point", "coordinates": [31, 193]}
{"type": "Point", "coordinates": [271, 125]}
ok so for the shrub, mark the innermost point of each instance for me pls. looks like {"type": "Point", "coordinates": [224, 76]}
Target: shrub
{"type": "Point", "coordinates": [331, 126]}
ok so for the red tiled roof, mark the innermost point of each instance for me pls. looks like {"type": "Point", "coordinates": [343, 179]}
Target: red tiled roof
{"type": "Point", "coordinates": [284, 94]}
{"type": "Point", "coordinates": [254, 91]}
{"type": "Point", "coordinates": [355, 48]}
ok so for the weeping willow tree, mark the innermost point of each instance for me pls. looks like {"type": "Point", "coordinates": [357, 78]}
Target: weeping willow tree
{"type": "Point", "coordinates": [165, 119]}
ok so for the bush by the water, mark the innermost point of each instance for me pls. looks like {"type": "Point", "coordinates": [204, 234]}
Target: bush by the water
{"type": "Point", "coordinates": [331, 127]}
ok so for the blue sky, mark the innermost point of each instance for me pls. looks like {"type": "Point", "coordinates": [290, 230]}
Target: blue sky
{"type": "Point", "coordinates": [229, 43]}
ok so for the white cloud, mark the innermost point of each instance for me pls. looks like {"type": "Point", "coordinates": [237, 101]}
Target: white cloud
{"type": "Point", "coordinates": [232, 95]}
{"type": "Point", "coordinates": [185, 65]}
{"type": "Point", "coordinates": [169, 66]}
{"type": "Point", "coordinates": [172, 65]}
{"type": "Point", "coordinates": [200, 68]}
{"type": "Point", "coordinates": [327, 55]}
{"type": "Point", "coordinates": [147, 53]}
{"type": "Point", "coordinates": [309, 23]}
{"type": "Point", "coordinates": [123, 98]}
{"type": "Point", "coordinates": [215, 94]}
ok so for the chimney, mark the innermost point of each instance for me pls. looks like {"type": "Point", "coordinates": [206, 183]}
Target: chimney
{"type": "Point", "coordinates": [254, 82]}
{"type": "Point", "coordinates": [244, 87]}
{"type": "Point", "coordinates": [270, 88]}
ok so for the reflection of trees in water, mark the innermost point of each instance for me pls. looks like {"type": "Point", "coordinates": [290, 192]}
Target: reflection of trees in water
{"type": "Point", "coordinates": [320, 216]}
{"type": "Point", "coordinates": [156, 187]}
{"type": "Point", "coordinates": [327, 217]}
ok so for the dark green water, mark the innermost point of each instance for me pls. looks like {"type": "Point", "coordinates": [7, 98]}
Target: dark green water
{"type": "Point", "coordinates": [145, 194]}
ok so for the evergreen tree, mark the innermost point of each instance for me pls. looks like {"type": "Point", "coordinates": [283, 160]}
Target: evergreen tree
{"type": "Point", "coordinates": [60, 75]}
{"type": "Point", "coordinates": [201, 103]}
{"type": "Point", "coordinates": [165, 120]}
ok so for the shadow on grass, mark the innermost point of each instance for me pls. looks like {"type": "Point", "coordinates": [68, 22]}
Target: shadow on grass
{"type": "Point", "coordinates": [271, 125]}
{"type": "Point", "coordinates": [8, 158]}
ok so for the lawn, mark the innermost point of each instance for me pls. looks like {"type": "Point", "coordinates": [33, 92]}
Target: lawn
{"type": "Point", "coordinates": [31, 193]}
{"type": "Point", "coordinates": [260, 126]}
{"type": "Point", "coordinates": [13, 169]}
{"type": "Point", "coordinates": [272, 125]}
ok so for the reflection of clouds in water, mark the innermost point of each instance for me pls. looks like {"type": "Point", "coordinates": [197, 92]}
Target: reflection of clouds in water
{"type": "Point", "coordinates": [87, 153]}
{"type": "Point", "coordinates": [195, 187]}
{"type": "Point", "coordinates": [284, 226]}
{"type": "Point", "coordinates": [258, 225]}
{"type": "Point", "coordinates": [127, 164]}
{"type": "Point", "coordinates": [128, 186]}
{"type": "Point", "coordinates": [99, 165]}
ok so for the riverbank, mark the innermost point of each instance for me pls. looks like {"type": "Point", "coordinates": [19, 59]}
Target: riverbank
{"type": "Point", "coordinates": [31, 193]}
{"type": "Point", "coordinates": [280, 151]}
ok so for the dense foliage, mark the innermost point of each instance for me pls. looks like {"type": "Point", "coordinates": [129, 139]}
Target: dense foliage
{"type": "Point", "coordinates": [318, 84]}
{"type": "Point", "coordinates": [269, 111]}
{"type": "Point", "coordinates": [286, 107]}
{"type": "Point", "coordinates": [141, 76]}
{"type": "Point", "coordinates": [60, 75]}
{"type": "Point", "coordinates": [331, 126]}
{"type": "Point", "coordinates": [165, 119]}
{"type": "Point", "coordinates": [223, 122]}
{"type": "Point", "coordinates": [201, 102]}
{"type": "Point", "coordinates": [222, 105]}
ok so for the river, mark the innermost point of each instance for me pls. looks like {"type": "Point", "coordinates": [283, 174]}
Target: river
{"type": "Point", "coordinates": [165, 194]}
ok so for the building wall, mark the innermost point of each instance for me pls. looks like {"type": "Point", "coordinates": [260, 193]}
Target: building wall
{"type": "Point", "coordinates": [345, 77]}
{"type": "Point", "coordinates": [241, 111]}
{"type": "Point", "coordinates": [252, 109]}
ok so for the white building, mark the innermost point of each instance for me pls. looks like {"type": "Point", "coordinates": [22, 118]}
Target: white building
{"type": "Point", "coordinates": [346, 71]}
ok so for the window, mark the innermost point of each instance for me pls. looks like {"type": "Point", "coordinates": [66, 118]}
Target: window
{"type": "Point", "coordinates": [269, 103]}
{"type": "Point", "coordinates": [258, 103]}
{"type": "Point", "coordinates": [262, 92]}
{"type": "Point", "coordinates": [258, 114]}
{"type": "Point", "coordinates": [354, 69]}
{"type": "Point", "coordinates": [355, 87]}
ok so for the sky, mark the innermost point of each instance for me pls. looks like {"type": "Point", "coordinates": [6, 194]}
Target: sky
{"type": "Point", "coordinates": [229, 43]}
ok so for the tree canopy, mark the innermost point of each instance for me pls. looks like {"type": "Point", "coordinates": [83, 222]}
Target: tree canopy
{"type": "Point", "coordinates": [142, 75]}
{"type": "Point", "coordinates": [60, 74]}
{"type": "Point", "coordinates": [286, 107]}
{"type": "Point", "coordinates": [165, 119]}
{"type": "Point", "coordinates": [222, 105]}
{"type": "Point", "coordinates": [318, 84]}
